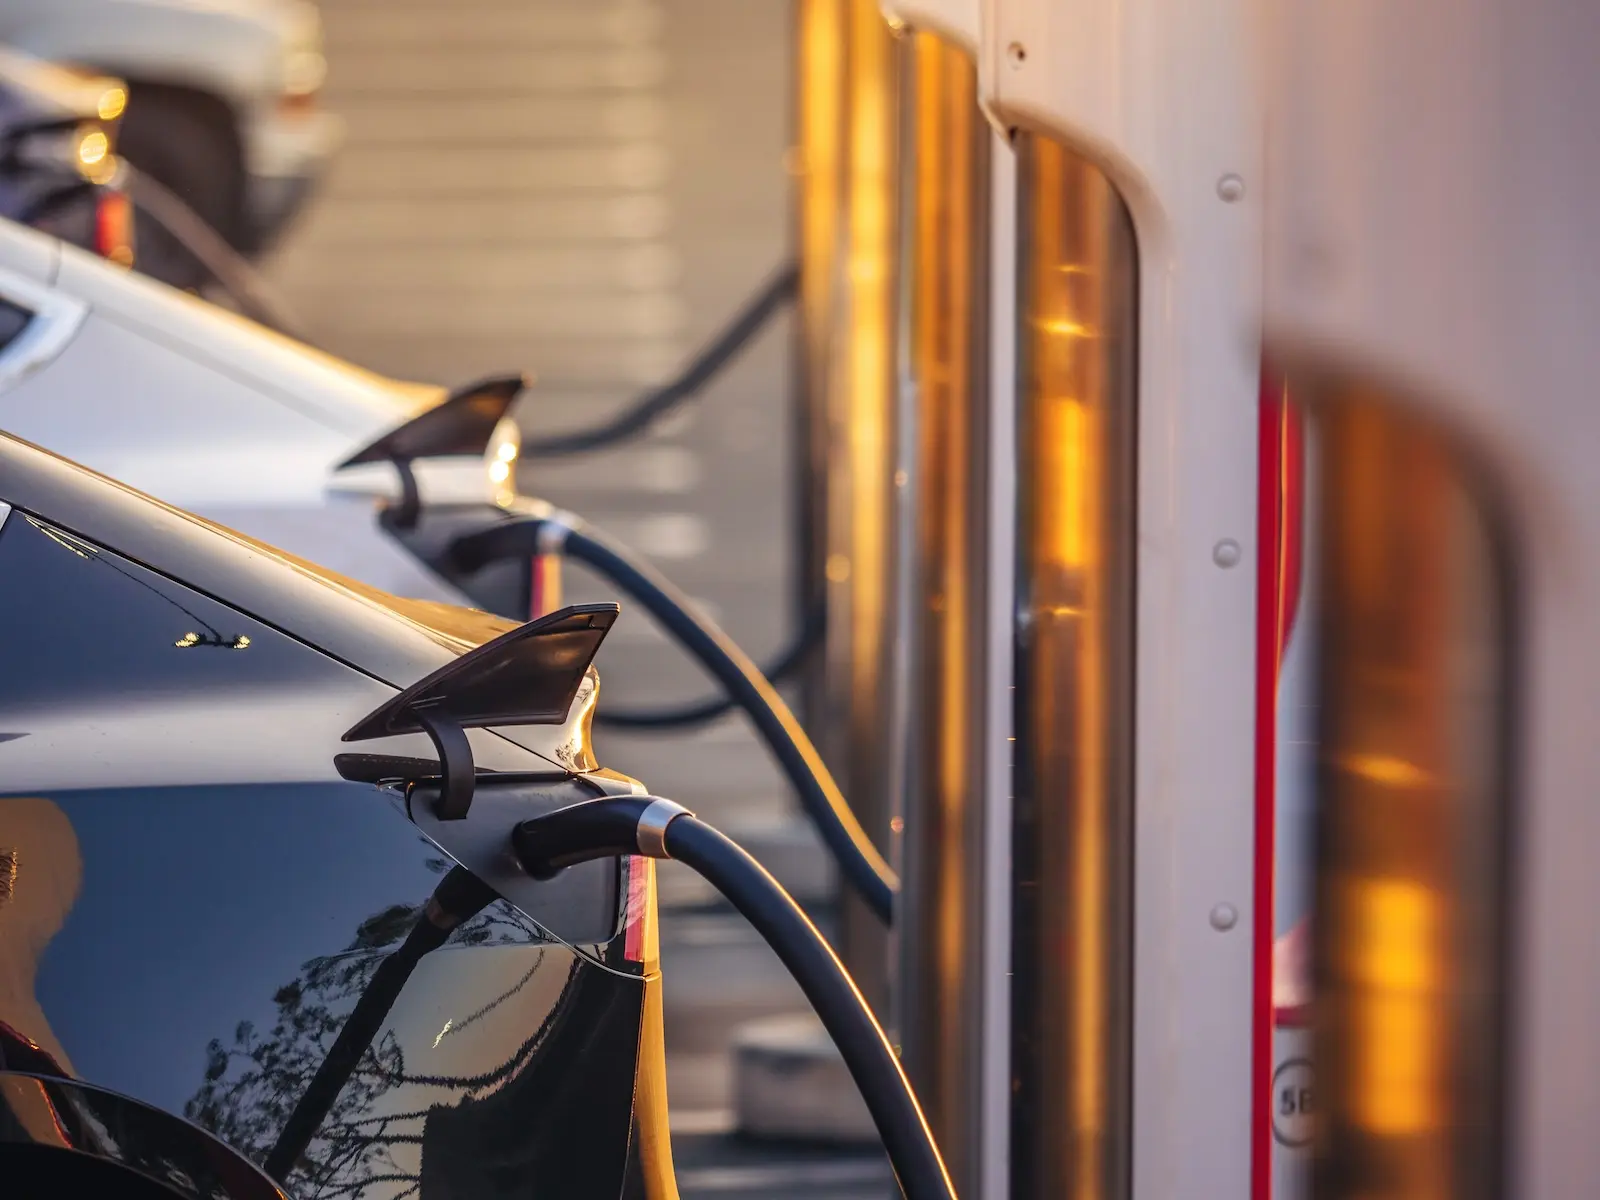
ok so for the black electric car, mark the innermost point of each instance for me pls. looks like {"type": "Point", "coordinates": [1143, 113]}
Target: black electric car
{"type": "Point", "coordinates": [255, 932]}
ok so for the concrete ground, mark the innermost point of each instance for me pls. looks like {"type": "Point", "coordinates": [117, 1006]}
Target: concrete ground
{"type": "Point", "coordinates": [587, 189]}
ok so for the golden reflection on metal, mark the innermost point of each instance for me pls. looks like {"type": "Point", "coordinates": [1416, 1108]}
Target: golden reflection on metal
{"type": "Point", "coordinates": [575, 750]}
{"type": "Point", "coordinates": [1074, 771]}
{"type": "Point", "coordinates": [944, 173]}
{"type": "Point", "coordinates": [112, 103]}
{"type": "Point", "coordinates": [847, 304]}
{"type": "Point", "coordinates": [819, 166]}
{"type": "Point", "coordinates": [1413, 760]}
{"type": "Point", "coordinates": [817, 161]}
{"type": "Point", "coordinates": [93, 146]}
{"type": "Point", "coordinates": [864, 397]}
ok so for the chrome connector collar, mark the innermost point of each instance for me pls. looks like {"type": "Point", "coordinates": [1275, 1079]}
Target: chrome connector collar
{"type": "Point", "coordinates": [651, 834]}
{"type": "Point", "coordinates": [554, 530]}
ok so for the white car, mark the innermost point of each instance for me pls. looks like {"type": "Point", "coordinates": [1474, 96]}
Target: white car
{"type": "Point", "coordinates": [216, 415]}
{"type": "Point", "coordinates": [222, 104]}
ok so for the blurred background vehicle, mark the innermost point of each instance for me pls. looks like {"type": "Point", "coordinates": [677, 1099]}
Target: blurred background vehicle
{"type": "Point", "coordinates": [210, 412]}
{"type": "Point", "coordinates": [59, 170]}
{"type": "Point", "coordinates": [222, 106]}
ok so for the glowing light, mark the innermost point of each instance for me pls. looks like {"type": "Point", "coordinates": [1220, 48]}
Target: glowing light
{"type": "Point", "coordinates": [187, 640]}
{"type": "Point", "coordinates": [442, 1032]}
{"type": "Point", "coordinates": [304, 74]}
{"type": "Point", "coordinates": [1395, 928]}
{"type": "Point", "coordinates": [1065, 327]}
{"type": "Point", "coordinates": [241, 642]}
{"type": "Point", "coordinates": [93, 147]}
{"type": "Point", "coordinates": [112, 103]}
{"type": "Point", "coordinates": [499, 472]}
{"type": "Point", "coordinates": [1385, 769]}
{"type": "Point", "coordinates": [507, 452]}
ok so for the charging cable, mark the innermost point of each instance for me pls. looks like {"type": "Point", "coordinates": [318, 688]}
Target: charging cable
{"type": "Point", "coordinates": [623, 825]}
{"type": "Point", "coordinates": [644, 412]}
{"type": "Point", "coordinates": [699, 712]}
{"type": "Point", "coordinates": [858, 858]}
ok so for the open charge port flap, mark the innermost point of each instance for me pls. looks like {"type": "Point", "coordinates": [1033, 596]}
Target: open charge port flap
{"type": "Point", "coordinates": [582, 905]}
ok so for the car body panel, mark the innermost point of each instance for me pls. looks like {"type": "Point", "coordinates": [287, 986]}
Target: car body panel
{"type": "Point", "coordinates": [197, 888]}
{"type": "Point", "coordinates": [214, 413]}
{"type": "Point", "coordinates": [247, 53]}
{"type": "Point", "coordinates": [235, 927]}
{"type": "Point", "coordinates": [232, 48]}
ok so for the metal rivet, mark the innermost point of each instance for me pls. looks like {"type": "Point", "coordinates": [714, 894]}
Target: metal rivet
{"type": "Point", "coordinates": [1224, 917]}
{"type": "Point", "coordinates": [1225, 553]}
{"type": "Point", "coordinates": [1230, 188]}
{"type": "Point", "coordinates": [1017, 53]}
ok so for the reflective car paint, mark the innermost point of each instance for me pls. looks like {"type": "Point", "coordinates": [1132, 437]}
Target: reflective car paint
{"type": "Point", "coordinates": [218, 415]}
{"type": "Point", "coordinates": [197, 886]}
{"type": "Point", "coordinates": [235, 927]}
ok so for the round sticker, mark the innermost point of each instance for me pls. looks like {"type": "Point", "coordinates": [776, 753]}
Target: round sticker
{"type": "Point", "coordinates": [1291, 1103]}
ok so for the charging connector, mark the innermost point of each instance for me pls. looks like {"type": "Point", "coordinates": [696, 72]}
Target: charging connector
{"type": "Point", "coordinates": [659, 828]}
{"type": "Point", "coordinates": [859, 860]}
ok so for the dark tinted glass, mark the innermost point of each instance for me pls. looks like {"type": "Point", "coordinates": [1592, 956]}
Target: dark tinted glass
{"type": "Point", "coordinates": [13, 320]}
{"type": "Point", "coordinates": [200, 949]}
{"type": "Point", "coordinates": [79, 622]}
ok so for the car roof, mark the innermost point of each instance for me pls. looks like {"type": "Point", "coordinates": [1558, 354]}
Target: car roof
{"type": "Point", "coordinates": [391, 639]}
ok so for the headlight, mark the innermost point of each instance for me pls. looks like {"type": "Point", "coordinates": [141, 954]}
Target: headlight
{"type": "Point", "coordinates": [303, 73]}
{"type": "Point", "coordinates": [112, 102]}
{"type": "Point", "coordinates": [304, 67]}
{"type": "Point", "coordinates": [85, 148]}
{"type": "Point", "coordinates": [93, 152]}
{"type": "Point", "coordinates": [501, 460]}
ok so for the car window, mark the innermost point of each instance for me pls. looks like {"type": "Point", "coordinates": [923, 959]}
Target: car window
{"type": "Point", "coordinates": [79, 622]}
{"type": "Point", "coordinates": [13, 320]}
{"type": "Point", "coordinates": [200, 948]}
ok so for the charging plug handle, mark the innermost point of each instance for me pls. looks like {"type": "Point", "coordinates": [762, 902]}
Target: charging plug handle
{"type": "Point", "coordinates": [659, 828]}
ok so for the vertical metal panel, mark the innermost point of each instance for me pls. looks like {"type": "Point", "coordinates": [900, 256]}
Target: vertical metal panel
{"type": "Point", "coordinates": [1073, 774]}
{"type": "Point", "coordinates": [1413, 769]}
{"type": "Point", "coordinates": [848, 448]}
{"type": "Point", "coordinates": [853, 727]}
{"type": "Point", "coordinates": [1000, 488]}
{"type": "Point", "coordinates": [945, 266]}
{"type": "Point", "coordinates": [818, 168]}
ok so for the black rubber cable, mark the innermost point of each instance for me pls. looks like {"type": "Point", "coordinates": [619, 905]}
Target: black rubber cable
{"type": "Point", "coordinates": [610, 827]}
{"type": "Point", "coordinates": [701, 711]}
{"type": "Point", "coordinates": [858, 859]}
{"type": "Point", "coordinates": [230, 269]}
{"type": "Point", "coordinates": [653, 405]}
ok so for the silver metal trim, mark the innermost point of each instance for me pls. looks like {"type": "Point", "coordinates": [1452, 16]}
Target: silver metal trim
{"type": "Point", "coordinates": [651, 834]}
{"type": "Point", "coordinates": [56, 321]}
{"type": "Point", "coordinates": [553, 533]}
{"type": "Point", "coordinates": [5, 511]}
{"type": "Point", "coordinates": [999, 605]}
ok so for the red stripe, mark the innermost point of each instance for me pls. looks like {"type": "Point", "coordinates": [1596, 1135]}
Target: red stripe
{"type": "Point", "coordinates": [637, 908]}
{"type": "Point", "coordinates": [1291, 533]}
{"type": "Point", "coordinates": [1271, 634]}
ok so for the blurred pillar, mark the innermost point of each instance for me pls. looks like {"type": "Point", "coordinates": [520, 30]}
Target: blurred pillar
{"type": "Point", "coordinates": [944, 304]}
{"type": "Point", "coordinates": [851, 460]}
